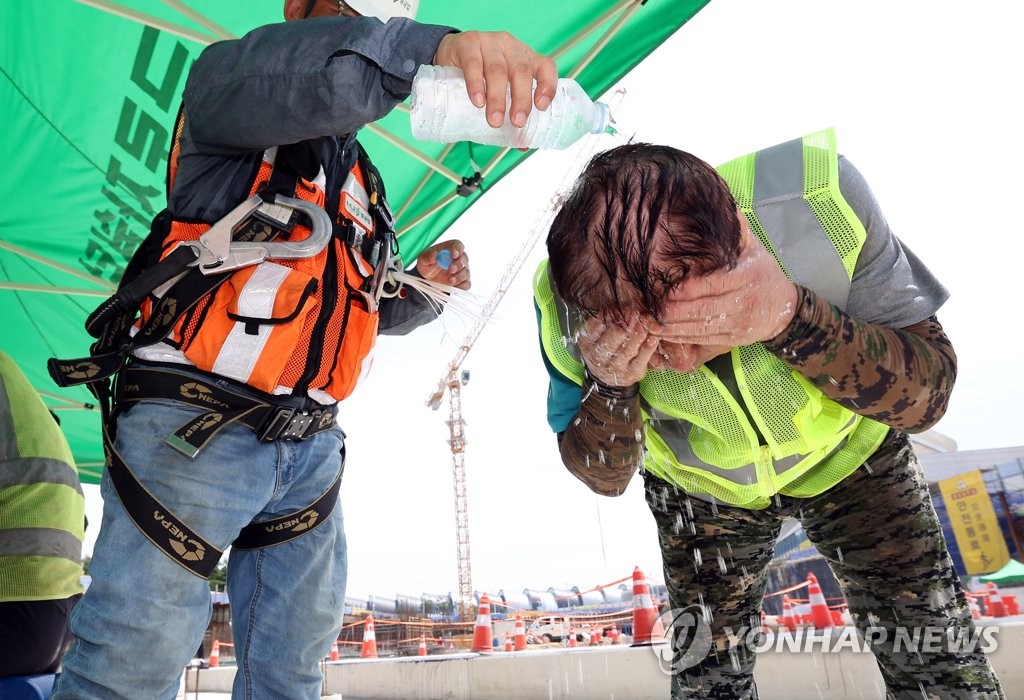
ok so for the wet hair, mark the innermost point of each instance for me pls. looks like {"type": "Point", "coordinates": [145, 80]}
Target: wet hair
{"type": "Point", "coordinates": [640, 219]}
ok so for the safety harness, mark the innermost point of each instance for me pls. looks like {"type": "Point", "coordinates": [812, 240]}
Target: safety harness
{"type": "Point", "coordinates": [186, 278]}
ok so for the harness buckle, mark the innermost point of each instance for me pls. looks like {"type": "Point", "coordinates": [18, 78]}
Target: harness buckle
{"type": "Point", "coordinates": [286, 423]}
{"type": "Point", "coordinates": [216, 252]}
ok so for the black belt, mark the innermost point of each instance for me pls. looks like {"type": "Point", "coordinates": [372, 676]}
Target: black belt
{"type": "Point", "coordinates": [289, 419]}
{"type": "Point", "coordinates": [225, 402]}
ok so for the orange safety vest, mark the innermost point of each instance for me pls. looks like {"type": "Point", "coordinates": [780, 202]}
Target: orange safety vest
{"type": "Point", "coordinates": [289, 325]}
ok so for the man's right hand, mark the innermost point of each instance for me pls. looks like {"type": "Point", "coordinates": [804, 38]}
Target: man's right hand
{"type": "Point", "coordinates": [491, 61]}
{"type": "Point", "coordinates": [617, 354]}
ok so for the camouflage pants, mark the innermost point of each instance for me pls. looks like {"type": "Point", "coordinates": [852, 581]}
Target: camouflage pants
{"type": "Point", "coordinates": [879, 533]}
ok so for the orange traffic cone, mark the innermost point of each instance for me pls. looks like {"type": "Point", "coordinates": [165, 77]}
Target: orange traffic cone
{"type": "Point", "coordinates": [520, 636]}
{"type": "Point", "coordinates": [614, 633]}
{"type": "Point", "coordinates": [482, 630]}
{"type": "Point", "coordinates": [369, 648]}
{"type": "Point", "coordinates": [508, 641]}
{"type": "Point", "coordinates": [647, 626]}
{"type": "Point", "coordinates": [821, 616]}
{"type": "Point", "coordinates": [334, 651]}
{"type": "Point", "coordinates": [595, 635]}
{"type": "Point", "coordinates": [571, 642]}
{"type": "Point", "coordinates": [422, 651]}
{"type": "Point", "coordinates": [787, 620]}
{"type": "Point", "coordinates": [995, 605]}
{"type": "Point", "coordinates": [215, 654]}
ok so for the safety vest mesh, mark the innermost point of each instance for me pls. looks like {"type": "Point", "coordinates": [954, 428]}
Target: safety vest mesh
{"type": "Point", "coordinates": [699, 436]}
{"type": "Point", "coordinates": [41, 501]}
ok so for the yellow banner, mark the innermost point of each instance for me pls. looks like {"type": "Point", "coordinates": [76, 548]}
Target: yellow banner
{"type": "Point", "coordinates": [981, 542]}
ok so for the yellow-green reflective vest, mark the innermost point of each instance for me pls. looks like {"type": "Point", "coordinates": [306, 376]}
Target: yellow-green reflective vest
{"type": "Point", "coordinates": [699, 434]}
{"type": "Point", "coordinates": [42, 519]}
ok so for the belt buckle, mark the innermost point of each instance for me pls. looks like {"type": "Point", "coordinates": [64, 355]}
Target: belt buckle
{"type": "Point", "coordinates": [298, 425]}
{"type": "Point", "coordinates": [279, 420]}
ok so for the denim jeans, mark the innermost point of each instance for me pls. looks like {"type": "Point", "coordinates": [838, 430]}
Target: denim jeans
{"type": "Point", "coordinates": [143, 615]}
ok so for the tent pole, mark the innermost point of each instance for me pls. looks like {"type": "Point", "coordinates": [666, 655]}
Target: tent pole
{"type": "Point", "coordinates": [429, 212]}
{"type": "Point", "coordinates": [603, 41]}
{"type": "Point", "coordinates": [19, 287]}
{"type": "Point", "coordinates": [56, 265]}
{"type": "Point", "coordinates": [422, 183]}
{"type": "Point", "coordinates": [199, 18]}
{"type": "Point", "coordinates": [149, 20]}
{"type": "Point", "coordinates": [586, 31]}
{"type": "Point", "coordinates": [418, 155]}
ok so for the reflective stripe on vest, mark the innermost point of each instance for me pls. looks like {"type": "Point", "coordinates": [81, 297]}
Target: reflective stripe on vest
{"type": "Point", "coordinates": [41, 501]}
{"type": "Point", "coordinates": [257, 327]}
{"type": "Point", "coordinates": [701, 438]}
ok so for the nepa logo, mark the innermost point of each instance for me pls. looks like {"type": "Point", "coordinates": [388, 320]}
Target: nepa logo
{"type": "Point", "coordinates": [690, 637]}
{"type": "Point", "coordinates": [299, 524]}
{"type": "Point", "coordinates": [190, 550]}
{"type": "Point", "coordinates": [81, 370]}
{"type": "Point", "coordinates": [184, 546]}
{"type": "Point", "coordinates": [166, 312]}
{"type": "Point", "coordinates": [209, 420]}
{"type": "Point", "coordinates": [197, 392]}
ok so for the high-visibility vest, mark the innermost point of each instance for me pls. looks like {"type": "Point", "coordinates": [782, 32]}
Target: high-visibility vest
{"type": "Point", "coordinates": [305, 324]}
{"type": "Point", "coordinates": [42, 508]}
{"type": "Point", "coordinates": [779, 434]}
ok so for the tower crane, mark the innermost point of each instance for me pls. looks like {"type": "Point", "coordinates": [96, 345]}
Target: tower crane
{"type": "Point", "coordinates": [454, 378]}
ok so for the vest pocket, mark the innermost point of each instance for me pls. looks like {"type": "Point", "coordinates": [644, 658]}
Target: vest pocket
{"type": "Point", "coordinates": [253, 324]}
{"type": "Point", "coordinates": [358, 327]}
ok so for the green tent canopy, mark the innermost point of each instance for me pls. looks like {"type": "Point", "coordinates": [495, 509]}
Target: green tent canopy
{"type": "Point", "coordinates": [88, 93]}
{"type": "Point", "coordinates": [1010, 575]}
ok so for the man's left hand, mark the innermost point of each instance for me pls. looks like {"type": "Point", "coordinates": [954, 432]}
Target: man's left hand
{"type": "Point", "coordinates": [457, 272]}
{"type": "Point", "coordinates": [754, 301]}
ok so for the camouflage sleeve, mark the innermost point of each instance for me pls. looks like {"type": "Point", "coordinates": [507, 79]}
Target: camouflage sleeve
{"type": "Point", "coordinates": [603, 445]}
{"type": "Point", "coordinates": [901, 377]}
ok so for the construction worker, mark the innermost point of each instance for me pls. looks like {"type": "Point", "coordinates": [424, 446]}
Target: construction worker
{"type": "Point", "coordinates": [221, 425]}
{"type": "Point", "coordinates": [762, 343]}
{"type": "Point", "coordinates": [42, 524]}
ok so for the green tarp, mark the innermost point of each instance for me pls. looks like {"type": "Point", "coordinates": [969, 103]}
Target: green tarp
{"type": "Point", "coordinates": [1010, 575]}
{"type": "Point", "coordinates": [87, 99]}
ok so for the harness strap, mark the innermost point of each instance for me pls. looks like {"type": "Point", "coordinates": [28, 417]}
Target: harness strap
{"type": "Point", "coordinates": [271, 418]}
{"type": "Point", "coordinates": [290, 419]}
{"type": "Point", "coordinates": [184, 545]}
{"type": "Point", "coordinates": [159, 525]}
{"type": "Point", "coordinates": [267, 533]}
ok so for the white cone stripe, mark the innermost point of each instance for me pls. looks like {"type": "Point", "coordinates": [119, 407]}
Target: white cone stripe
{"type": "Point", "coordinates": [642, 601]}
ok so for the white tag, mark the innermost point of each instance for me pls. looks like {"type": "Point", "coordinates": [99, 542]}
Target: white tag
{"type": "Point", "coordinates": [357, 212]}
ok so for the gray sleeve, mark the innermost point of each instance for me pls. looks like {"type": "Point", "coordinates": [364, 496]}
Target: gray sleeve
{"type": "Point", "coordinates": [301, 80]}
{"type": "Point", "coordinates": [890, 286]}
{"type": "Point", "coordinates": [402, 316]}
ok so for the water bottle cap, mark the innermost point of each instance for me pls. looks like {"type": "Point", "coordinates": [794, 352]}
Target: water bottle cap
{"type": "Point", "coordinates": [602, 118]}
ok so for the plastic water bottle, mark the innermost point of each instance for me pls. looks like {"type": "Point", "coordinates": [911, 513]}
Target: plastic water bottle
{"type": "Point", "coordinates": [442, 111]}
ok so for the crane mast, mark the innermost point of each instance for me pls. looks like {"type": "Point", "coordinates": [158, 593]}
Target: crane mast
{"type": "Point", "coordinates": [454, 378]}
